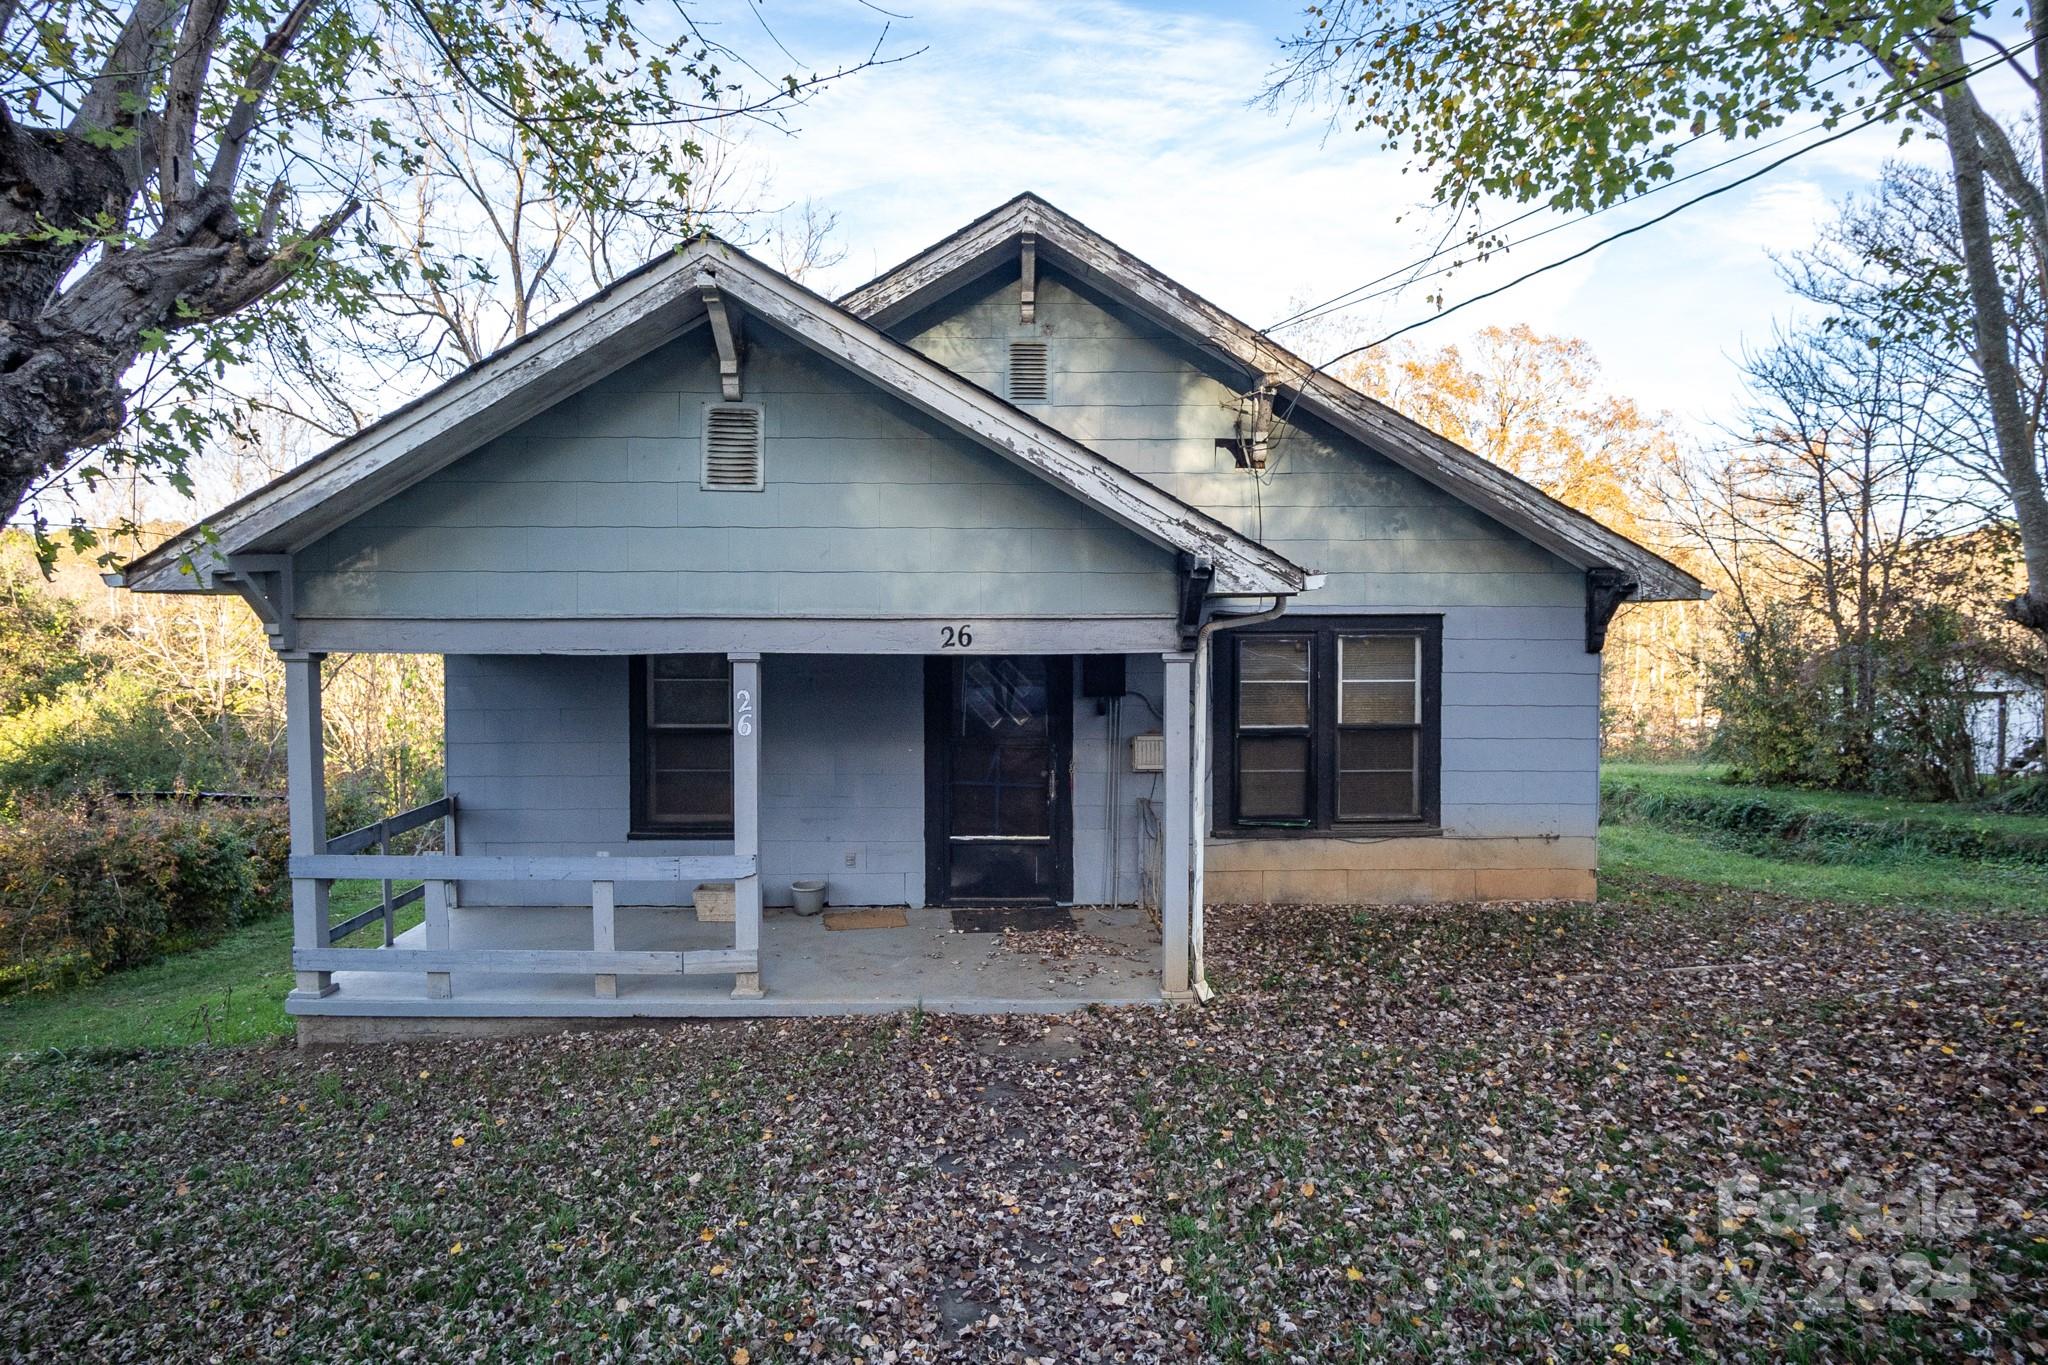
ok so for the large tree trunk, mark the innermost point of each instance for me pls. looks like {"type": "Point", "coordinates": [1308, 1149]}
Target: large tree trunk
{"type": "Point", "coordinates": [71, 323]}
{"type": "Point", "coordinates": [2017, 460]}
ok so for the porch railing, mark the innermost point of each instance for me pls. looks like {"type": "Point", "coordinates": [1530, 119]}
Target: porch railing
{"type": "Point", "coordinates": [438, 872]}
{"type": "Point", "coordinates": [380, 835]}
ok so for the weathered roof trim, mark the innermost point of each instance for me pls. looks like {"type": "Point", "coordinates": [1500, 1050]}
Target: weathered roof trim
{"type": "Point", "coordinates": [643, 310]}
{"type": "Point", "coordinates": [992, 240]}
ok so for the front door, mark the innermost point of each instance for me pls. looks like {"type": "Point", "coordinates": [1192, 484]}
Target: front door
{"type": "Point", "coordinates": [998, 817]}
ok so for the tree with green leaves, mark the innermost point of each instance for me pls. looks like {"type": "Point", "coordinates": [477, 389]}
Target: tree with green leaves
{"type": "Point", "coordinates": [181, 184]}
{"type": "Point", "coordinates": [1583, 104]}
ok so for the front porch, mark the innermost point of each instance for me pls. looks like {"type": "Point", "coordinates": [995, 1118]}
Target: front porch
{"type": "Point", "coordinates": [1111, 957]}
{"type": "Point", "coordinates": [538, 903]}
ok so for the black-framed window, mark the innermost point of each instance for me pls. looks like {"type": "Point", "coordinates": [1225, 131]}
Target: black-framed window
{"type": "Point", "coordinates": [1329, 723]}
{"type": "Point", "coordinates": [682, 745]}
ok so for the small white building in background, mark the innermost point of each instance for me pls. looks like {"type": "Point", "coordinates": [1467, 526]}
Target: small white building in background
{"type": "Point", "coordinates": [2006, 715]}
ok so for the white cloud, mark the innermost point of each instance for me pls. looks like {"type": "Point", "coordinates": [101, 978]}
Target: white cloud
{"type": "Point", "coordinates": [1139, 122]}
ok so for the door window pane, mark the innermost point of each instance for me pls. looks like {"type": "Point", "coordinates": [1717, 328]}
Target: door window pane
{"type": "Point", "coordinates": [1273, 684]}
{"type": "Point", "coordinates": [1004, 698]}
{"type": "Point", "coordinates": [1000, 765]}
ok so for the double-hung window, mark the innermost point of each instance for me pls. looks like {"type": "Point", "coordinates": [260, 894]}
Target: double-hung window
{"type": "Point", "coordinates": [682, 745]}
{"type": "Point", "coordinates": [1328, 723]}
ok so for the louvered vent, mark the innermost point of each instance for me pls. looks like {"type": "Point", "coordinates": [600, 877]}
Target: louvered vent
{"type": "Point", "coordinates": [1027, 372]}
{"type": "Point", "coordinates": [732, 447]}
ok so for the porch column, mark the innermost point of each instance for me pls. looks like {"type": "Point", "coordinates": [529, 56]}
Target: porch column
{"type": "Point", "coordinates": [1203, 782]}
{"type": "Point", "coordinates": [1177, 828]}
{"type": "Point", "coordinates": [746, 816]}
{"type": "Point", "coordinates": [306, 799]}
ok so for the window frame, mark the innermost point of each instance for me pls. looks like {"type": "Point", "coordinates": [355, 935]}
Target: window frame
{"type": "Point", "coordinates": [640, 745]}
{"type": "Point", "coordinates": [1325, 692]}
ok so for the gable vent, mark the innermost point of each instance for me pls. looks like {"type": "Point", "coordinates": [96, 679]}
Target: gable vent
{"type": "Point", "coordinates": [732, 446]}
{"type": "Point", "coordinates": [1027, 372]}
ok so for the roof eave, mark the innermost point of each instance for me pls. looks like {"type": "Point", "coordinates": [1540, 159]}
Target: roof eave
{"type": "Point", "coordinates": [608, 332]}
{"type": "Point", "coordinates": [1577, 539]}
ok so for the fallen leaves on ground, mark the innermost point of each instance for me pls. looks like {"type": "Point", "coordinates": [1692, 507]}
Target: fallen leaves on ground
{"type": "Point", "coordinates": [1402, 1133]}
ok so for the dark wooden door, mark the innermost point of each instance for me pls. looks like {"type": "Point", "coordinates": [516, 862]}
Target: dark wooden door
{"type": "Point", "coordinates": [998, 812]}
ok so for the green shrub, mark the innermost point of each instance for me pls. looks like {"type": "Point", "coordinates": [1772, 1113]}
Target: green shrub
{"type": "Point", "coordinates": [42, 643]}
{"type": "Point", "coordinates": [2021, 796]}
{"type": "Point", "coordinates": [1772, 722]}
{"type": "Point", "coordinates": [1786, 823]}
{"type": "Point", "coordinates": [113, 734]}
{"type": "Point", "coordinates": [1889, 715]}
{"type": "Point", "coordinates": [85, 890]}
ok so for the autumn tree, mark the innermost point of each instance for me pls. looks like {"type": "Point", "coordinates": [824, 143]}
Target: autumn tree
{"type": "Point", "coordinates": [1538, 406]}
{"type": "Point", "coordinates": [1888, 269]}
{"type": "Point", "coordinates": [182, 185]}
{"type": "Point", "coordinates": [1584, 104]}
{"type": "Point", "coordinates": [1837, 485]}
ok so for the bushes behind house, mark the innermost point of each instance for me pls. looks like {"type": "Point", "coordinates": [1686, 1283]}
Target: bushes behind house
{"type": "Point", "coordinates": [86, 888]}
{"type": "Point", "coordinates": [1889, 715]}
{"type": "Point", "coordinates": [1798, 824]}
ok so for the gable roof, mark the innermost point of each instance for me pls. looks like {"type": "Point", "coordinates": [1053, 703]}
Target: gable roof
{"type": "Point", "coordinates": [642, 310]}
{"type": "Point", "coordinates": [994, 240]}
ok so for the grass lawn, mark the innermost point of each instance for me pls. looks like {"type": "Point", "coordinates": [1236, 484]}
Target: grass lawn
{"type": "Point", "coordinates": [1431, 1134]}
{"type": "Point", "coordinates": [1628, 852]}
{"type": "Point", "coordinates": [1706, 777]}
{"type": "Point", "coordinates": [1744, 1108]}
{"type": "Point", "coordinates": [230, 992]}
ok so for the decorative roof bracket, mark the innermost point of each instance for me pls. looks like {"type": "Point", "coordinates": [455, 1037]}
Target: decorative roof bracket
{"type": "Point", "coordinates": [265, 583]}
{"type": "Point", "coordinates": [1197, 576]}
{"type": "Point", "coordinates": [727, 332]}
{"type": "Point", "coordinates": [1029, 292]}
{"type": "Point", "coordinates": [1606, 590]}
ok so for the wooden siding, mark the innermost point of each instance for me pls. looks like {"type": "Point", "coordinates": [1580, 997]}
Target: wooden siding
{"type": "Point", "coordinates": [594, 509]}
{"type": "Point", "coordinates": [1521, 696]}
{"type": "Point", "coordinates": [537, 748]}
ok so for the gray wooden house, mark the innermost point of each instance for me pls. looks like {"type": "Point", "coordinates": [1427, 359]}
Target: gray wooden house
{"type": "Point", "coordinates": [1020, 574]}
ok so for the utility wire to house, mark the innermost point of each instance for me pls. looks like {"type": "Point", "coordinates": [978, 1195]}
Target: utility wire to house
{"type": "Point", "coordinates": [1406, 274]}
{"type": "Point", "coordinates": [1876, 115]}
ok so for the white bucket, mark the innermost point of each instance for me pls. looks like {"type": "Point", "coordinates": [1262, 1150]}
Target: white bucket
{"type": "Point", "coordinates": [809, 896]}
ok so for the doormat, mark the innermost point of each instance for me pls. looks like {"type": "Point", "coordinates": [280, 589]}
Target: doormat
{"type": "Point", "coordinates": [874, 917]}
{"type": "Point", "coordinates": [1011, 919]}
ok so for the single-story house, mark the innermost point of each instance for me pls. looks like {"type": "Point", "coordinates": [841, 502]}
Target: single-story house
{"type": "Point", "coordinates": [1021, 574]}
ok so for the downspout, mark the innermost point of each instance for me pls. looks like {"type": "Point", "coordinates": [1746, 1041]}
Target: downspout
{"type": "Point", "coordinates": [1199, 798]}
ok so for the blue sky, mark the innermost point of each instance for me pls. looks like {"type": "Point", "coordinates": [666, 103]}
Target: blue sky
{"type": "Point", "coordinates": [1139, 119]}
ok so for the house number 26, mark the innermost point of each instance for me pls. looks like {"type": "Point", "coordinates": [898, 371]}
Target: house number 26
{"type": "Point", "coordinates": [956, 637]}
{"type": "Point", "coordinates": [743, 711]}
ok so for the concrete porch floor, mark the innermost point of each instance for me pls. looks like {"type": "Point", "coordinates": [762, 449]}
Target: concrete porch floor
{"type": "Point", "coordinates": [1113, 958]}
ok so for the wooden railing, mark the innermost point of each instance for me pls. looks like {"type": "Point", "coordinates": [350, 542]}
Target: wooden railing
{"type": "Point", "coordinates": [438, 872]}
{"type": "Point", "coordinates": [380, 835]}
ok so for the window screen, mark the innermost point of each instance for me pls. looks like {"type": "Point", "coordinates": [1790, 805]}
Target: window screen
{"type": "Point", "coordinates": [1379, 716]}
{"type": "Point", "coordinates": [1274, 711]}
{"type": "Point", "coordinates": [1326, 722]}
